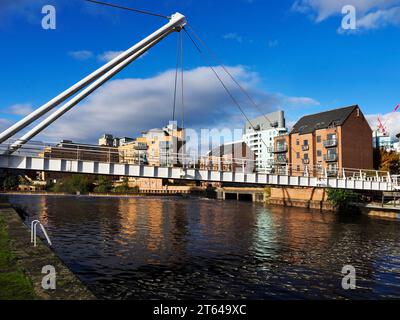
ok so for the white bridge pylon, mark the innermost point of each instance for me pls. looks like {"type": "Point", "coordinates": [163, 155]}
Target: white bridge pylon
{"type": "Point", "coordinates": [93, 81]}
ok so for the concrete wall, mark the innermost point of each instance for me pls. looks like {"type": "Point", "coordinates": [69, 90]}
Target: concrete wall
{"type": "Point", "coordinates": [313, 198]}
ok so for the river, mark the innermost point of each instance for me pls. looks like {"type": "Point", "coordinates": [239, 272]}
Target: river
{"type": "Point", "coordinates": [176, 248]}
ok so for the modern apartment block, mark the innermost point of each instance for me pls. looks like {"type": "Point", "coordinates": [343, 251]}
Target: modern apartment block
{"type": "Point", "coordinates": [164, 145]}
{"type": "Point", "coordinates": [383, 140]}
{"type": "Point", "coordinates": [235, 156]}
{"type": "Point", "coordinates": [154, 147]}
{"type": "Point", "coordinates": [259, 135]}
{"type": "Point", "coordinates": [332, 140]}
{"type": "Point", "coordinates": [108, 140]}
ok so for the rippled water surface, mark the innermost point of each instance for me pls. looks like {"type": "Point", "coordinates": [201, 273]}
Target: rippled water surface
{"type": "Point", "coordinates": [156, 248]}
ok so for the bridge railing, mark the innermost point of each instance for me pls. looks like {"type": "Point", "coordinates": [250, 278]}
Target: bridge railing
{"type": "Point", "coordinates": [396, 181]}
{"type": "Point", "coordinates": [138, 156]}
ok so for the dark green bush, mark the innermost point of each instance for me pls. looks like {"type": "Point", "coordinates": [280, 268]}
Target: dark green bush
{"type": "Point", "coordinates": [342, 199]}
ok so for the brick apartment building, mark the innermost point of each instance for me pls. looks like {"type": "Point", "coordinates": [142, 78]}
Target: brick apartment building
{"type": "Point", "coordinates": [69, 150]}
{"type": "Point", "coordinates": [332, 140]}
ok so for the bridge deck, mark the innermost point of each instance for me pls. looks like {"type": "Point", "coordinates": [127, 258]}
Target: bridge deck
{"type": "Point", "coordinates": [141, 171]}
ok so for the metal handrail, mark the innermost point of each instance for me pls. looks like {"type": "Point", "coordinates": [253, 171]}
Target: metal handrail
{"type": "Point", "coordinates": [34, 224]}
{"type": "Point", "coordinates": [330, 143]}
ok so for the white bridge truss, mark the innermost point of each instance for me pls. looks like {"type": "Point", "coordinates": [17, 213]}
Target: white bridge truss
{"type": "Point", "coordinates": [190, 167]}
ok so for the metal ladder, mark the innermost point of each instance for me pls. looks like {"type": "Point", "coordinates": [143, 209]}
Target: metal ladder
{"type": "Point", "coordinates": [34, 224]}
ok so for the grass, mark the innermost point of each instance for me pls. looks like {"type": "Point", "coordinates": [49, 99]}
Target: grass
{"type": "Point", "coordinates": [14, 284]}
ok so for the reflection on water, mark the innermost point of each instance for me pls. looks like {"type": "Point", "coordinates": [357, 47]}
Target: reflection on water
{"type": "Point", "coordinates": [155, 248]}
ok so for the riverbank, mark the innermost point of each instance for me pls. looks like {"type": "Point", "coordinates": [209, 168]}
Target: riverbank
{"type": "Point", "coordinates": [168, 192]}
{"type": "Point", "coordinates": [21, 265]}
{"type": "Point", "coordinates": [14, 284]}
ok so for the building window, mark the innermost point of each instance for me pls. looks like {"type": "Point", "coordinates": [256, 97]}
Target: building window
{"type": "Point", "coordinates": [298, 155]}
{"type": "Point", "coordinates": [319, 153]}
{"type": "Point", "coordinates": [297, 142]}
{"type": "Point", "coordinates": [306, 156]}
{"type": "Point", "coordinates": [319, 139]}
{"type": "Point", "coordinates": [332, 136]}
{"type": "Point", "coordinates": [305, 143]}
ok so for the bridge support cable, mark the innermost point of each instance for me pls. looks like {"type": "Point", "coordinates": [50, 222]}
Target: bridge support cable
{"type": "Point", "coordinates": [218, 61]}
{"type": "Point", "coordinates": [244, 91]}
{"type": "Point", "coordinates": [230, 94]}
{"type": "Point", "coordinates": [129, 9]}
{"type": "Point", "coordinates": [176, 23]}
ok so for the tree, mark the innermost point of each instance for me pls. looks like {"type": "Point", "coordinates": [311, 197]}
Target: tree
{"type": "Point", "coordinates": [387, 161]}
{"type": "Point", "coordinates": [11, 182]}
{"type": "Point", "coordinates": [103, 185]}
{"type": "Point", "coordinates": [74, 183]}
{"type": "Point", "coordinates": [125, 189]}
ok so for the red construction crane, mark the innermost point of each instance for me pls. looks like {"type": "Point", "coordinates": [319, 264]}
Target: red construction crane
{"type": "Point", "coordinates": [382, 126]}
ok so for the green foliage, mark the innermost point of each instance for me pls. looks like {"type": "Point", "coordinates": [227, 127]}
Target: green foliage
{"type": "Point", "coordinates": [125, 189]}
{"type": "Point", "coordinates": [11, 182]}
{"type": "Point", "coordinates": [14, 285]}
{"type": "Point", "coordinates": [342, 198]}
{"type": "Point", "coordinates": [73, 184]}
{"type": "Point", "coordinates": [103, 185]}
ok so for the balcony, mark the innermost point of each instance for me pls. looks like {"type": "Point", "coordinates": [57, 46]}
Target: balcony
{"type": "Point", "coordinates": [281, 160]}
{"type": "Point", "coordinates": [305, 147]}
{"type": "Point", "coordinates": [331, 157]}
{"type": "Point", "coordinates": [280, 148]}
{"type": "Point", "coordinates": [332, 172]}
{"type": "Point", "coordinates": [330, 143]}
{"type": "Point", "coordinates": [306, 161]}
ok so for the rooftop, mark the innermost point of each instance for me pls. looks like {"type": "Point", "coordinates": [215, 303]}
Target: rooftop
{"type": "Point", "coordinates": [323, 120]}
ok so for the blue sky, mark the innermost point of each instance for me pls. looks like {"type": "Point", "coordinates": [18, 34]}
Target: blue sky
{"type": "Point", "coordinates": [290, 55]}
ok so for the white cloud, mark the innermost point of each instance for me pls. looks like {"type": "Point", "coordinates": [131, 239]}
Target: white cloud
{"type": "Point", "coordinates": [371, 14]}
{"type": "Point", "coordinates": [233, 36]}
{"type": "Point", "coordinates": [27, 9]}
{"type": "Point", "coordinates": [81, 55]}
{"type": "Point", "coordinates": [20, 109]}
{"type": "Point", "coordinates": [127, 107]}
{"type": "Point", "coordinates": [109, 55]}
{"type": "Point", "coordinates": [380, 18]}
{"type": "Point", "coordinates": [390, 120]}
{"type": "Point", "coordinates": [4, 124]}
{"type": "Point", "coordinates": [300, 102]}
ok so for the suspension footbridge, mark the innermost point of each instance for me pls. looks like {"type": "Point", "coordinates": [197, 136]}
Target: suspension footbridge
{"type": "Point", "coordinates": [22, 154]}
